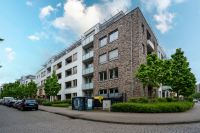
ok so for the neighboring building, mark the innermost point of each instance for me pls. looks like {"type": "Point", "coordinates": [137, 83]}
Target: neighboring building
{"type": "Point", "coordinates": [68, 67]}
{"type": "Point", "coordinates": [197, 88]}
{"type": "Point", "coordinates": [26, 79]}
{"type": "Point", "coordinates": [104, 61]}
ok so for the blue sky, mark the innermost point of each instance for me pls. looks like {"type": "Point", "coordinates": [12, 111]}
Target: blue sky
{"type": "Point", "coordinates": [34, 30]}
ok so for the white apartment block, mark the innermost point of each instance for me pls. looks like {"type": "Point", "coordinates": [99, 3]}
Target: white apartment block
{"type": "Point", "coordinates": [26, 79]}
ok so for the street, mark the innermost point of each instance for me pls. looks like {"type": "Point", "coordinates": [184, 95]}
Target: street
{"type": "Point", "coordinates": [14, 121]}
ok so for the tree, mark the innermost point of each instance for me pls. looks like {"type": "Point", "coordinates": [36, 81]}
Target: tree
{"type": "Point", "coordinates": [51, 86]}
{"type": "Point", "coordinates": [32, 89]}
{"type": "Point", "coordinates": [150, 73]}
{"type": "Point", "coordinates": [182, 80]}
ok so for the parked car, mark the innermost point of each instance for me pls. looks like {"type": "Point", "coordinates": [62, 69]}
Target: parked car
{"type": "Point", "coordinates": [16, 104]}
{"type": "Point", "coordinates": [26, 104]}
{"type": "Point", "coordinates": [11, 102]}
{"type": "Point", "coordinates": [6, 100]}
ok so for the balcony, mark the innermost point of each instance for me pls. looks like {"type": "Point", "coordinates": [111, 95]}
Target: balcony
{"type": "Point", "coordinates": [150, 46]}
{"type": "Point", "coordinates": [88, 56]}
{"type": "Point", "coordinates": [88, 71]}
{"type": "Point", "coordinates": [87, 86]}
{"type": "Point", "coordinates": [88, 40]}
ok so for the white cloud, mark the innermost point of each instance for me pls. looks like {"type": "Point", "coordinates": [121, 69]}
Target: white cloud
{"type": "Point", "coordinates": [59, 5]}
{"type": "Point", "coordinates": [29, 3]}
{"type": "Point", "coordinates": [34, 37]}
{"type": "Point", "coordinates": [79, 17]}
{"type": "Point", "coordinates": [163, 17]}
{"type": "Point", "coordinates": [46, 11]}
{"type": "Point", "coordinates": [10, 54]}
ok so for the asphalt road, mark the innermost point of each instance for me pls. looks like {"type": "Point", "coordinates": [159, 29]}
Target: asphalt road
{"type": "Point", "coordinates": [14, 121]}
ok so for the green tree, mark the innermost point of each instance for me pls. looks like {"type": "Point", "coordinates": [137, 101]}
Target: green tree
{"type": "Point", "coordinates": [51, 86]}
{"type": "Point", "coordinates": [182, 80]}
{"type": "Point", "coordinates": [150, 73]}
{"type": "Point", "coordinates": [32, 89]}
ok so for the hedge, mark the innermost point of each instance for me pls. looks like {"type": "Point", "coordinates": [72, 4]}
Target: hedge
{"type": "Point", "coordinates": [48, 103]}
{"type": "Point", "coordinates": [154, 100]}
{"type": "Point", "coordinates": [61, 105]}
{"type": "Point", "coordinates": [163, 107]}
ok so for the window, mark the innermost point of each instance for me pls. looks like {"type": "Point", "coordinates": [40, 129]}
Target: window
{"type": "Point", "coordinates": [75, 70]}
{"type": "Point", "coordinates": [102, 92]}
{"type": "Point", "coordinates": [113, 54]}
{"type": "Point", "coordinates": [68, 72]}
{"type": "Point", "coordinates": [59, 65]}
{"type": "Point", "coordinates": [143, 28]}
{"type": "Point", "coordinates": [102, 76]}
{"type": "Point", "coordinates": [113, 36]}
{"type": "Point", "coordinates": [68, 60]}
{"type": "Point", "coordinates": [48, 69]}
{"type": "Point", "coordinates": [148, 35]}
{"type": "Point", "coordinates": [113, 73]}
{"type": "Point", "coordinates": [113, 91]}
{"type": "Point", "coordinates": [143, 49]}
{"type": "Point", "coordinates": [74, 83]}
{"type": "Point", "coordinates": [59, 75]}
{"type": "Point", "coordinates": [68, 84]}
{"type": "Point", "coordinates": [103, 41]}
{"type": "Point", "coordinates": [102, 59]}
{"type": "Point", "coordinates": [75, 57]}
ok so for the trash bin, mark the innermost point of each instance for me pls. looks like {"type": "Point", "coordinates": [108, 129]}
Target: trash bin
{"type": "Point", "coordinates": [82, 103]}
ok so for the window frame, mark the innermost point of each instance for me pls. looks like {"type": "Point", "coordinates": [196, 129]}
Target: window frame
{"type": "Point", "coordinates": [105, 54]}
{"type": "Point", "coordinates": [110, 59]}
{"type": "Point", "coordinates": [112, 33]}
{"type": "Point", "coordinates": [106, 41]}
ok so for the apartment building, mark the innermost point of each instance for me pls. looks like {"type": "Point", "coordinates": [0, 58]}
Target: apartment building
{"type": "Point", "coordinates": [68, 67]}
{"type": "Point", "coordinates": [26, 79]}
{"type": "Point", "coordinates": [104, 60]}
{"type": "Point", "coordinates": [120, 46]}
{"type": "Point", "coordinates": [197, 88]}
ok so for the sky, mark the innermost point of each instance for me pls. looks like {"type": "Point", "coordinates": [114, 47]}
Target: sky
{"type": "Point", "coordinates": [35, 30]}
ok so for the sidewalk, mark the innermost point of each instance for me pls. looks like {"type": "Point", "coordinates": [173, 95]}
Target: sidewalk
{"type": "Point", "coordinates": [191, 116]}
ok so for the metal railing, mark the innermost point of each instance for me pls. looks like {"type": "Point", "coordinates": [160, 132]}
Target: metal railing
{"type": "Point", "coordinates": [88, 55]}
{"type": "Point", "coordinates": [87, 86]}
{"type": "Point", "coordinates": [88, 40]}
{"type": "Point", "coordinates": [88, 70]}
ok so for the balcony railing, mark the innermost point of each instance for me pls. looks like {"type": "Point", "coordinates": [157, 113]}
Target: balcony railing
{"type": "Point", "coordinates": [87, 86]}
{"type": "Point", "coordinates": [150, 44]}
{"type": "Point", "coordinates": [88, 70]}
{"type": "Point", "coordinates": [88, 40]}
{"type": "Point", "coordinates": [88, 55]}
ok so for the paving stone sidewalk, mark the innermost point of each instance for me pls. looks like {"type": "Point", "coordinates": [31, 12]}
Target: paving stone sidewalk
{"type": "Point", "coordinates": [191, 116]}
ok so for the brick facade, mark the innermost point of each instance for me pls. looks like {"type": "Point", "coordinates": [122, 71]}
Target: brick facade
{"type": "Point", "coordinates": [131, 38]}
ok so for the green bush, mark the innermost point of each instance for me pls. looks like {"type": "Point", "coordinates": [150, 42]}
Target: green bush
{"type": "Point", "coordinates": [46, 103]}
{"type": "Point", "coordinates": [161, 100]}
{"type": "Point", "coordinates": [63, 101]}
{"type": "Point", "coordinates": [189, 99]}
{"type": "Point", "coordinates": [138, 100]}
{"type": "Point", "coordinates": [60, 105]}
{"type": "Point", "coordinates": [163, 107]}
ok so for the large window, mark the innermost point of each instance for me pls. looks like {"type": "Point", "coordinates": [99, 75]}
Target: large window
{"type": "Point", "coordinates": [68, 72]}
{"type": "Point", "coordinates": [113, 73]}
{"type": "Point", "coordinates": [59, 65]}
{"type": "Point", "coordinates": [75, 70]}
{"type": "Point", "coordinates": [75, 57]}
{"type": "Point", "coordinates": [59, 75]}
{"type": "Point", "coordinates": [102, 58]}
{"type": "Point", "coordinates": [113, 36]}
{"type": "Point", "coordinates": [103, 92]}
{"type": "Point", "coordinates": [68, 84]}
{"type": "Point", "coordinates": [74, 83]}
{"type": "Point", "coordinates": [102, 76]}
{"type": "Point", "coordinates": [68, 60]}
{"type": "Point", "coordinates": [113, 54]}
{"type": "Point", "coordinates": [102, 41]}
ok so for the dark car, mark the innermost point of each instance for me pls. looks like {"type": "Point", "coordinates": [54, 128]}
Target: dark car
{"type": "Point", "coordinates": [11, 102]}
{"type": "Point", "coordinates": [16, 104]}
{"type": "Point", "coordinates": [28, 104]}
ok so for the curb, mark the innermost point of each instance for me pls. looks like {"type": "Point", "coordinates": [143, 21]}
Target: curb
{"type": "Point", "coordinates": [124, 123]}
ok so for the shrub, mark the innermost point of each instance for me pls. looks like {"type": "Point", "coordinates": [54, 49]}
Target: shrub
{"type": "Point", "coordinates": [189, 99]}
{"type": "Point", "coordinates": [138, 100]}
{"type": "Point", "coordinates": [164, 107]}
{"type": "Point", "coordinates": [161, 100]}
{"type": "Point", "coordinates": [63, 101]}
{"type": "Point", "coordinates": [61, 105]}
{"type": "Point", "coordinates": [47, 103]}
